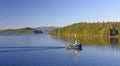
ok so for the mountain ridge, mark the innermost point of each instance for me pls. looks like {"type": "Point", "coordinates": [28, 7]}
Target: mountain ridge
{"type": "Point", "coordinates": [28, 30]}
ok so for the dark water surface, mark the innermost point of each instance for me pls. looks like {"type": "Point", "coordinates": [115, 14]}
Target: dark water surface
{"type": "Point", "coordinates": [46, 50]}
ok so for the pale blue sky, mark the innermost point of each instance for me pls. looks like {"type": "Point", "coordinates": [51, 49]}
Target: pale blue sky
{"type": "Point", "coordinates": [35, 13]}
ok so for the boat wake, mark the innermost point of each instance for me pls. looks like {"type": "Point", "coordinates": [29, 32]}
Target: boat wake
{"type": "Point", "coordinates": [27, 48]}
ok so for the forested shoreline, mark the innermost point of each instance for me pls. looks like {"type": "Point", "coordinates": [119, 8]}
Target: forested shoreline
{"type": "Point", "coordinates": [97, 29]}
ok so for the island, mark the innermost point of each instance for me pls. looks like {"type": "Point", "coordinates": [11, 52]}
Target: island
{"type": "Point", "coordinates": [26, 30]}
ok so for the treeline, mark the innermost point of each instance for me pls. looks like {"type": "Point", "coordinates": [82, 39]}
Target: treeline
{"type": "Point", "coordinates": [89, 29]}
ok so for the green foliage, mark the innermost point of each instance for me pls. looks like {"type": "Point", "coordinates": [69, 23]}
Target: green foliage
{"type": "Point", "coordinates": [90, 29]}
{"type": "Point", "coordinates": [113, 32]}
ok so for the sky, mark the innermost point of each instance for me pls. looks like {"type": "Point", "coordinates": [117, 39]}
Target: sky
{"type": "Point", "coordinates": [36, 13]}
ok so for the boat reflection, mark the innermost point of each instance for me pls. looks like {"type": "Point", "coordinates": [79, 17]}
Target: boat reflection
{"type": "Point", "coordinates": [75, 50]}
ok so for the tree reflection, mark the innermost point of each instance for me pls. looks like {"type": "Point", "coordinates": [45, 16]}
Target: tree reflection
{"type": "Point", "coordinates": [114, 42]}
{"type": "Point", "coordinates": [98, 42]}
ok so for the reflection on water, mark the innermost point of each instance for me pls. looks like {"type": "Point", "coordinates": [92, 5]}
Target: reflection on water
{"type": "Point", "coordinates": [76, 51]}
{"type": "Point", "coordinates": [114, 41]}
{"type": "Point", "coordinates": [45, 50]}
{"type": "Point", "coordinates": [93, 41]}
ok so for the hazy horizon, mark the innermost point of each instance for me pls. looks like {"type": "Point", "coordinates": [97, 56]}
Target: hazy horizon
{"type": "Point", "coordinates": [35, 13]}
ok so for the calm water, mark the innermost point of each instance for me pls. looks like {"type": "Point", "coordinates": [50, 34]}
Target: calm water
{"type": "Point", "coordinates": [46, 50]}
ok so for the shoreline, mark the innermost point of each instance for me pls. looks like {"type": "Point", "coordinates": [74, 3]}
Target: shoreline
{"type": "Point", "coordinates": [87, 36]}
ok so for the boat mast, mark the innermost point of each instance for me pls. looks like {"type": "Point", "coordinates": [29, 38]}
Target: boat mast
{"type": "Point", "coordinates": [75, 39]}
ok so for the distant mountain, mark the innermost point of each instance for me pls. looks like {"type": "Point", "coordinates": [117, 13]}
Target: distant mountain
{"type": "Point", "coordinates": [45, 29]}
{"type": "Point", "coordinates": [28, 30]}
{"type": "Point", "coordinates": [21, 31]}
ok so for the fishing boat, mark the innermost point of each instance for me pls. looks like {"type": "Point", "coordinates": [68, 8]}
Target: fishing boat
{"type": "Point", "coordinates": [75, 45]}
